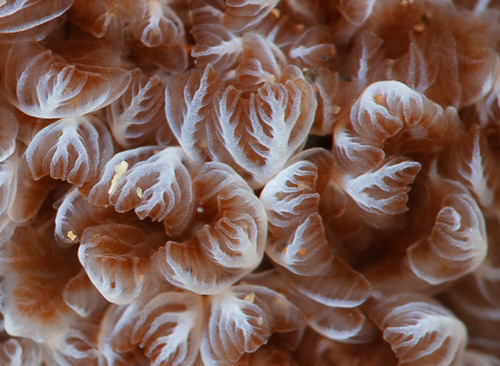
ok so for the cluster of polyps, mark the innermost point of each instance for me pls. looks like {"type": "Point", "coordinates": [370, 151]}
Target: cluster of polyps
{"type": "Point", "coordinates": [170, 195]}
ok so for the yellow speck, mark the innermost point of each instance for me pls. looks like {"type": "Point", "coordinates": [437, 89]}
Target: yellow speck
{"type": "Point", "coordinates": [283, 250]}
{"type": "Point", "coordinates": [335, 109]}
{"type": "Point", "coordinates": [303, 251]}
{"type": "Point", "coordinates": [139, 192]}
{"type": "Point", "coordinates": [74, 101]}
{"type": "Point", "coordinates": [276, 12]}
{"type": "Point", "coordinates": [71, 235]}
{"type": "Point", "coordinates": [200, 210]}
{"type": "Point", "coordinates": [65, 91]}
{"type": "Point", "coordinates": [379, 99]}
{"type": "Point", "coordinates": [302, 186]}
{"type": "Point", "coordinates": [250, 297]}
{"type": "Point", "coordinates": [141, 277]}
{"type": "Point", "coordinates": [419, 27]}
{"type": "Point", "coordinates": [120, 170]}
